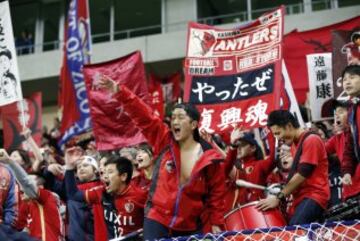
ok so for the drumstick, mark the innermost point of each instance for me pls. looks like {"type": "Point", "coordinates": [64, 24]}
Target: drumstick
{"type": "Point", "coordinates": [242, 183]}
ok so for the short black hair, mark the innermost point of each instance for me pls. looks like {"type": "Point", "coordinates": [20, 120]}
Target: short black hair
{"type": "Point", "coordinates": [6, 53]}
{"type": "Point", "coordinates": [355, 36]}
{"type": "Point", "coordinates": [351, 69]}
{"type": "Point", "coordinates": [190, 110]}
{"type": "Point", "coordinates": [11, 77]}
{"type": "Point", "coordinates": [338, 103]}
{"type": "Point", "coordinates": [193, 113]}
{"type": "Point", "coordinates": [282, 118]}
{"type": "Point", "coordinates": [323, 128]}
{"type": "Point", "coordinates": [123, 165]}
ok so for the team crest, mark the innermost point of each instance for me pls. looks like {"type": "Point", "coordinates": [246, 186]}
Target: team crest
{"type": "Point", "coordinates": [3, 183]}
{"type": "Point", "coordinates": [249, 169]}
{"type": "Point", "coordinates": [129, 207]}
{"type": "Point", "coordinates": [170, 166]}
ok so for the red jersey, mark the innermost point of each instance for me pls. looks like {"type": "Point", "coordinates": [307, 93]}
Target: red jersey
{"type": "Point", "coordinates": [123, 213]}
{"type": "Point", "coordinates": [336, 144]}
{"type": "Point", "coordinates": [44, 217]}
{"type": "Point", "coordinates": [251, 170]}
{"type": "Point", "coordinates": [141, 182]}
{"type": "Point", "coordinates": [316, 186]}
{"type": "Point", "coordinates": [254, 171]}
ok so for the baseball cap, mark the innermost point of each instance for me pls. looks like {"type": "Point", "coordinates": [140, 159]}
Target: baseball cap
{"type": "Point", "coordinates": [90, 160]}
{"type": "Point", "coordinates": [249, 137]}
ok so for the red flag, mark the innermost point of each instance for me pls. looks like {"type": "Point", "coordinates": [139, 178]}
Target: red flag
{"type": "Point", "coordinates": [298, 44]}
{"type": "Point", "coordinates": [12, 121]}
{"type": "Point", "coordinates": [156, 95]}
{"type": "Point", "coordinates": [111, 126]}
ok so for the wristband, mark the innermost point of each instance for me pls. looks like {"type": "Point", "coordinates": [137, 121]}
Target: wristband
{"type": "Point", "coordinates": [281, 196]}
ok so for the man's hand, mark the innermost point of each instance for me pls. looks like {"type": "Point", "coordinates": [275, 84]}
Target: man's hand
{"type": "Point", "coordinates": [236, 134]}
{"type": "Point", "coordinates": [56, 169]}
{"type": "Point", "coordinates": [268, 203]}
{"type": "Point", "coordinates": [108, 84]}
{"type": "Point", "coordinates": [4, 156]}
{"type": "Point", "coordinates": [206, 135]}
{"type": "Point", "coordinates": [346, 180]}
{"type": "Point", "coordinates": [72, 155]}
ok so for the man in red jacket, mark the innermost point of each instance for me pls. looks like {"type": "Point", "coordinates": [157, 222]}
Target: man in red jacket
{"type": "Point", "coordinates": [187, 177]}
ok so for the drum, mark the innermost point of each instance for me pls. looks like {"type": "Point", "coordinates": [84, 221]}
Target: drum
{"type": "Point", "coordinates": [348, 210]}
{"type": "Point", "coordinates": [249, 217]}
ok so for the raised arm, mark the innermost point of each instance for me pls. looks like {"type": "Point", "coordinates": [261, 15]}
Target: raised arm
{"type": "Point", "coordinates": [32, 144]}
{"type": "Point", "coordinates": [72, 155]}
{"type": "Point", "coordinates": [28, 185]}
{"type": "Point", "coordinates": [152, 127]}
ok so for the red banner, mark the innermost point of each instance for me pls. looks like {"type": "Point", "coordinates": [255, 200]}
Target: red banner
{"type": "Point", "coordinates": [233, 76]}
{"type": "Point", "coordinates": [298, 44]}
{"type": "Point", "coordinates": [156, 96]}
{"type": "Point", "coordinates": [111, 126]}
{"type": "Point", "coordinates": [12, 121]}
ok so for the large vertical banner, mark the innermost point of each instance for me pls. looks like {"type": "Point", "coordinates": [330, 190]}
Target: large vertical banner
{"type": "Point", "coordinates": [319, 68]}
{"type": "Point", "coordinates": [234, 76]}
{"type": "Point", "coordinates": [112, 127]}
{"type": "Point", "coordinates": [74, 101]}
{"type": "Point", "coordinates": [10, 88]}
{"type": "Point", "coordinates": [346, 50]}
{"type": "Point", "coordinates": [28, 110]}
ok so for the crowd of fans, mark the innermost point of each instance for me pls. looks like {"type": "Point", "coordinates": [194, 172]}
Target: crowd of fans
{"type": "Point", "coordinates": [182, 181]}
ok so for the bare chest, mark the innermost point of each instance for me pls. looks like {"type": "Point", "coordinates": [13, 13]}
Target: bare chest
{"type": "Point", "coordinates": [188, 161]}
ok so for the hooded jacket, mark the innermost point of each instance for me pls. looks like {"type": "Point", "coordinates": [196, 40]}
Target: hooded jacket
{"type": "Point", "coordinates": [175, 205]}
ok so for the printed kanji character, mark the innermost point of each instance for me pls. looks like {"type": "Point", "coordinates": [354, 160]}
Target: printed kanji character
{"type": "Point", "coordinates": [321, 75]}
{"type": "Point", "coordinates": [230, 116]}
{"type": "Point", "coordinates": [206, 119]}
{"type": "Point", "coordinates": [319, 61]}
{"type": "Point", "coordinates": [257, 113]}
{"type": "Point", "coordinates": [323, 91]}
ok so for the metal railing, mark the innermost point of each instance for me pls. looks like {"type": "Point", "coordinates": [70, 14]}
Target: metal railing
{"type": "Point", "coordinates": [237, 17]}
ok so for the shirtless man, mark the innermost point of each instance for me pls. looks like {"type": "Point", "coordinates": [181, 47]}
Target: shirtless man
{"type": "Point", "coordinates": [187, 177]}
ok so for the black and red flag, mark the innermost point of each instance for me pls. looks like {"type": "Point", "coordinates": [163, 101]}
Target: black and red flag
{"type": "Point", "coordinates": [233, 76]}
{"type": "Point", "coordinates": [13, 118]}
